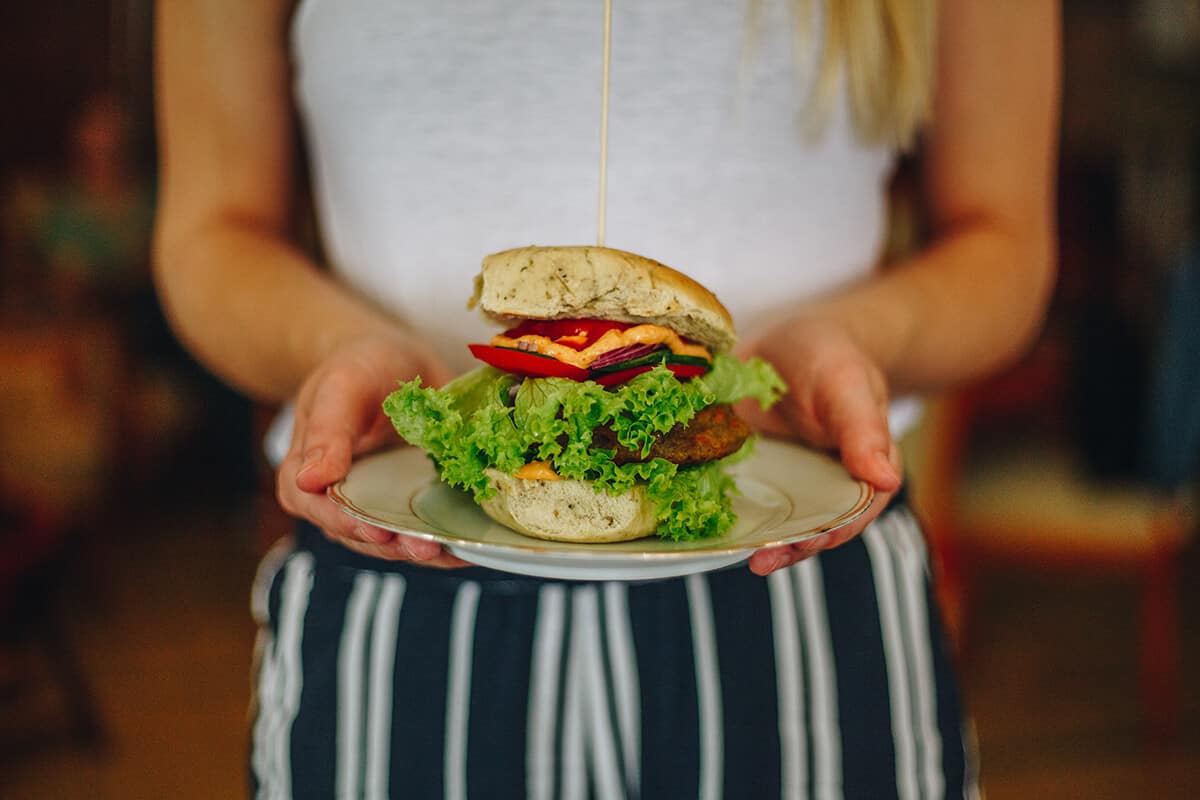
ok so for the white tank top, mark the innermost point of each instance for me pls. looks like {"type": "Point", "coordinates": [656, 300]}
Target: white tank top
{"type": "Point", "coordinates": [439, 132]}
{"type": "Point", "coordinates": [443, 131]}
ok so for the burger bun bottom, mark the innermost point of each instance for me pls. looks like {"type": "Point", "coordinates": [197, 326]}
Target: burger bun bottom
{"type": "Point", "coordinates": [568, 510]}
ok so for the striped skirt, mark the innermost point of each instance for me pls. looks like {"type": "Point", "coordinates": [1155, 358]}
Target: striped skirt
{"type": "Point", "coordinates": [828, 679]}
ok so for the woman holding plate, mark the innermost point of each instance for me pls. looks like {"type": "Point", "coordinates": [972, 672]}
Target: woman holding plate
{"type": "Point", "coordinates": [749, 146]}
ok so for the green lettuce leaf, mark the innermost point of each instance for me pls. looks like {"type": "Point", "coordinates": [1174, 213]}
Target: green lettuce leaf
{"type": "Point", "coordinates": [731, 380]}
{"type": "Point", "coordinates": [490, 419]}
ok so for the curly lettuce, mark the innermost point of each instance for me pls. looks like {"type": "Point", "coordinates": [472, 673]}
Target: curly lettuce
{"type": "Point", "coordinates": [491, 419]}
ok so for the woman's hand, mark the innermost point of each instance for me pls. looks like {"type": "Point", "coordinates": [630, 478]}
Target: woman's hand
{"type": "Point", "coordinates": [339, 416]}
{"type": "Point", "coordinates": [837, 400]}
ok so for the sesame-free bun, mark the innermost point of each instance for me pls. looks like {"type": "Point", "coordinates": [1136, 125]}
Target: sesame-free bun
{"type": "Point", "coordinates": [599, 283]}
{"type": "Point", "coordinates": [567, 510]}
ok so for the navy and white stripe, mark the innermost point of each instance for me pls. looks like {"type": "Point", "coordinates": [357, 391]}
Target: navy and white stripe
{"type": "Point", "coordinates": [281, 676]}
{"type": "Point", "coordinates": [825, 680]}
{"type": "Point", "coordinates": [458, 695]}
{"type": "Point", "coordinates": [351, 688]}
{"type": "Point", "coordinates": [708, 686]}
{"type": "Point", "coordinates": [623, 679]}
{"type": "Point", "coordinates": [790, 677]}
{"type": "Point", "coordinates": [544, 692]}
{"type": "Point", "coordinates": [820, 668]}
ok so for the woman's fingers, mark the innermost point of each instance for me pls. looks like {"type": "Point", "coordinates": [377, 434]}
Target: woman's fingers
{"type": "Point", "coordinates": [318, 509]}
{"type": "Point", "coordinates": [337, 416]}
{"type": "Point", "coordinates": [837, 400]}
{"type": "Point", "coordinates": [360, 536]}
{"type": "Point", "coordinates": [763, 420]}
{"type": "Point", "coordinates": [859, 429]}
{"type": "Point", "coordinates": [340, 527]}
{"type": "Point", "coordinates": [407, 548]}
{"type": "Point", "coordinates": [766, 561]}
{"type": "Point", "coordinates": [435, 374]}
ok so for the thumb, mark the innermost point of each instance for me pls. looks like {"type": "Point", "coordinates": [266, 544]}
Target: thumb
{"type": "Point", "coordinates": [860, 430]}
{"type": "Point", "coordinates": [435, 374]}
{"type": "Point", "coordinates": [324, 460]}
{"type": "Point", "coordinates": [868, 456]}
{"type": "Point", "coordinates": [328, 440]}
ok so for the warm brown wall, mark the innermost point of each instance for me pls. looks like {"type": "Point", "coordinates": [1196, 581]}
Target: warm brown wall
{"type": "Point", "coordinates": [52, 52]}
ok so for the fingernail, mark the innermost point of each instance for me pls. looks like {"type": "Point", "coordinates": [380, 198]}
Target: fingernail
{"type": "Point", "coordinates": [773, 563]}
{"type": "Point", "coordinates": [375, 535]}
{"type": "Point", "coordinates": [886, 468]}
{"type": "Point", "coordinates": [420, 550]}
{"type": "Point", "coordinates": [311, 459]}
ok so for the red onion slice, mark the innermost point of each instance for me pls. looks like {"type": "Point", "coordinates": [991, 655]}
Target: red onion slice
{"type": "Point", "coordinates": [623, 354]}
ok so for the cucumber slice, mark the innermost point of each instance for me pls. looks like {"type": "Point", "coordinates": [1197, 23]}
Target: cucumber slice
{"type": "Point", "coordinates": [653, 359]}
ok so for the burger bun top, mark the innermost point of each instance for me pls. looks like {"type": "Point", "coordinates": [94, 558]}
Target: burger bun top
{"type": "Point", "coordinates": [585, 282]}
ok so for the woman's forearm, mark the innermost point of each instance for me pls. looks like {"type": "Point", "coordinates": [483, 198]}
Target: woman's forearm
{"type": "Point", "coordinates": [245, 301]}
{"type": "Point", "coordinates": [975, 297]}
{"type": "Point", "coordinates": [965, 306]}
{"type": "Point", "coordinates": [254, 308]}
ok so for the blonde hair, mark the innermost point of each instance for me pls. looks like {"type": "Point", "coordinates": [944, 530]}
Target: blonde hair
{"type": "Point", "coordinates": [881, 51]}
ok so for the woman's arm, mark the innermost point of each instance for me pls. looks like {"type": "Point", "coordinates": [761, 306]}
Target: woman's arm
{"type": "Point", "coordinates": [240, 295]}
{"type": "Point", "coordinates": [975, 297]}
{"type": "Point", "coordinates": [973, 300]}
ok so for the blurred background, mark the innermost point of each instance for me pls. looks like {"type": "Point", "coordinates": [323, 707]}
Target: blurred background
{"type": "Point", "coordinates": [1060, 496]}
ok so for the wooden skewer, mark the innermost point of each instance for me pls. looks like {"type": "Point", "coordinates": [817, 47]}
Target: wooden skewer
{"type": "Point", "coordinates": [604, 123]}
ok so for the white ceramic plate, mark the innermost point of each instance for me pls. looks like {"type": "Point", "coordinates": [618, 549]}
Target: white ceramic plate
{"type": "Point", "coordinates": [788, 493]}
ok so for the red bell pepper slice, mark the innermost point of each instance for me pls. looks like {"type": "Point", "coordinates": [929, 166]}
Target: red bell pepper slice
{"type": "Point", "coordinates": [523, 363]}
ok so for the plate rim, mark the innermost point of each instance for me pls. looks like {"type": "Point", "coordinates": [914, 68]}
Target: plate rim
{"type": "Point", "coordinates": [537, 547]}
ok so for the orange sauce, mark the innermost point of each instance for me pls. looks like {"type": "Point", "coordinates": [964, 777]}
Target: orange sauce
{"type": "Point", "coordinates": [536, 471]}
{"type": "Point", "coordinates": [611, 340]}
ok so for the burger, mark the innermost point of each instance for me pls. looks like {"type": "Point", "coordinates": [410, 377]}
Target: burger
{"type": "Point", "coordinates": [603, 411]}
